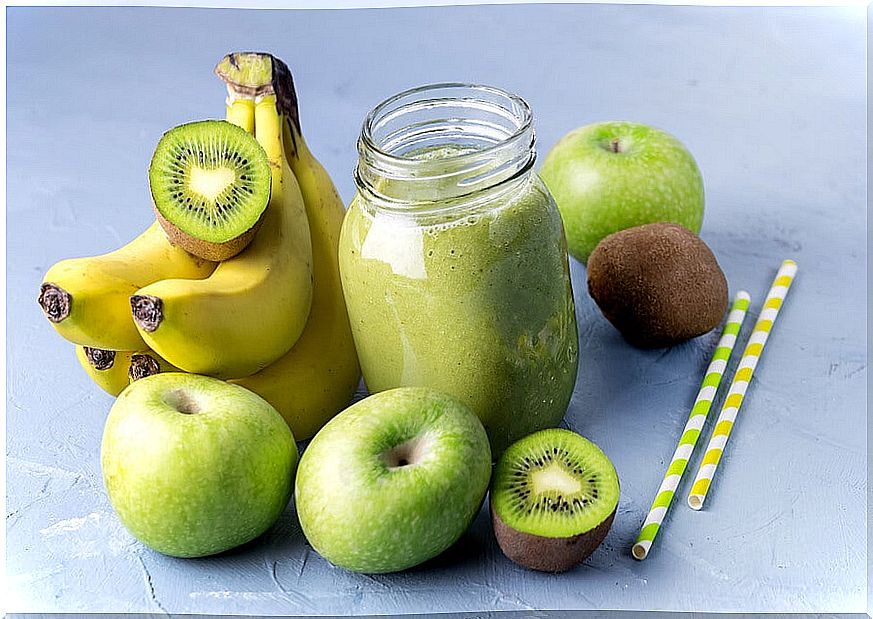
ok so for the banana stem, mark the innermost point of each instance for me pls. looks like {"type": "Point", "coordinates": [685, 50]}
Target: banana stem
{"type": "Point", "coordinates": [256, 75]}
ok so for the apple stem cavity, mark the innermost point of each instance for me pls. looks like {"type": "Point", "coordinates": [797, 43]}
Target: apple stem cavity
{"type": "Point", "coordinates": [399, 456]}
{"type": "Point", "coordinates": [182, 402]}
{"type": "Point", "coordinates": [406, 454]}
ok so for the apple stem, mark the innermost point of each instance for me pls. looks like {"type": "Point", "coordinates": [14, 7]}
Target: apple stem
{"type": "Point", "coordinates": [615, 145]}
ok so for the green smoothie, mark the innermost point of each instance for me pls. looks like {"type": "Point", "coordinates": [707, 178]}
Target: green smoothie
{"type": "Point", "coordinates": [475, 302]}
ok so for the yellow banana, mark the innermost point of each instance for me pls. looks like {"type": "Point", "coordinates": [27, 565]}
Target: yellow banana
{"type": "Point", "coordinates": [107, 368]}
{"type": "Point", "coordinates": [87, 300]}
{"type": "Point", "coordinates": [319, 375]}
{"type": "Point", "coordinates": [254, 306]}
{"type": "Point", "coordinates": [113, 370]}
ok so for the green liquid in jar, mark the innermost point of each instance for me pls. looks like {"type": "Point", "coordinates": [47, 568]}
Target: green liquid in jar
{"type": "Point", "coordinates": [474, 301]}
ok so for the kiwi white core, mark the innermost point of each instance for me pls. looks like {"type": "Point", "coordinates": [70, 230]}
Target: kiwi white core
{"type": "Point", "coordinates": [183, 401]}
{"type": "Point", "coordinates": [554, 483]}
{"type": "Point", "coordinates": [554, 477]}
{"type": "Point", "coordinates": [210, 183]}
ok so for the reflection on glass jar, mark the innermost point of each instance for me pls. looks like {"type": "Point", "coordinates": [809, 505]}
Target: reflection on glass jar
{"type": "Point", "coordinates": [454, 262]}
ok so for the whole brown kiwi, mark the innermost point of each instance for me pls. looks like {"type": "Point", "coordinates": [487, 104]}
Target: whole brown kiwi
{"type": "Point", "coordinates": [658, 284]}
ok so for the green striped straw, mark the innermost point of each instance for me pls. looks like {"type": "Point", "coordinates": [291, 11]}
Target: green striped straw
{"type": "Point", "coordinates": [740, 383]}
{"type": "Point", "coordinates": [699, 411]}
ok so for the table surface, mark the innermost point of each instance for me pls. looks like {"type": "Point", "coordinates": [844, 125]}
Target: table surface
{"type": "Point", "coordinates": [770, 101]}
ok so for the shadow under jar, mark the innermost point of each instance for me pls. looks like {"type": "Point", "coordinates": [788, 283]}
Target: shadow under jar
{"type": "Point", "coordinates": [454, 262]}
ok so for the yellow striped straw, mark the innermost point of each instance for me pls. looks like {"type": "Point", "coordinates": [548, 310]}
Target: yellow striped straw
{"type": "Point", "coordinates": [688, 440]}
{"type": "Point", "coordinates": [740, 383]}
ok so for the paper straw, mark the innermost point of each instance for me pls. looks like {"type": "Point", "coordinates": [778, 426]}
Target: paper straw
{"type": "Point", "coordinates": [699, 411]}
{"type": "Point", "coordinates": [740, 383]}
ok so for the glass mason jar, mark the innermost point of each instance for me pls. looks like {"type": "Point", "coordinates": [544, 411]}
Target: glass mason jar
{"type": "Point", "coordinates": [454, 262]}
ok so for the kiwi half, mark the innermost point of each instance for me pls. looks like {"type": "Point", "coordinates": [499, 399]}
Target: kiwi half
{"type": "Point", "coordinates": [210, 184]}
{"type": "Point", "coordinates": [553, 499]}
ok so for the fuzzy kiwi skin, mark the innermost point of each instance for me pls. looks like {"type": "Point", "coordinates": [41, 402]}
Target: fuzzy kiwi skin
{"type": "Point", "coordinates": [658, 284]}
{"type": "Point", "coordinates": [215, 252]}
{"type": "Point", "coordinates": [548, 554]}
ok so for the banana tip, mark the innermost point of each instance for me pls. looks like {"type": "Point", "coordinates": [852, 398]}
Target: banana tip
{"type": "Point", "coordinates": [148, 311]}
{"type": "Point", "coordinates": [99, 358]}
{"type": "Point", "coordinates": [55, 302]}
{"type": "Point", "coordinates": [142, 366]}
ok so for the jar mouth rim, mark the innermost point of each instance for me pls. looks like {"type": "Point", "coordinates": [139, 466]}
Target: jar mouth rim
{"type": "Point", "coordinates": [525, 118]}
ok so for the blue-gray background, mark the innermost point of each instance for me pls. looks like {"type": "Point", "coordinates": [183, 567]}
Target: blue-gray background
{"type": "Point", "coordinates": [770, 101]}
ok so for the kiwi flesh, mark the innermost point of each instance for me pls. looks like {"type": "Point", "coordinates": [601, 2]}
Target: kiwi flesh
{"type": "Point", "coordinates": [210, 184]}
{"type": "Point", "coordinates": [554, 495]}
{"type": "Point", "coordinates": [658, 284]}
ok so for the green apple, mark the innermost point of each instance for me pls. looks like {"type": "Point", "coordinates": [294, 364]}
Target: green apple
{"type": "Point", "coordinates": [393, 480]}
{"type": "Point", "coordinates": [193, 465]}
{"type": "Point", "coordinates": [615, 175]}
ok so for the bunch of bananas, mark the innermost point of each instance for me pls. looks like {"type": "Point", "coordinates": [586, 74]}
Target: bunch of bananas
{"type": "Point", "coordinates": [272, 318]}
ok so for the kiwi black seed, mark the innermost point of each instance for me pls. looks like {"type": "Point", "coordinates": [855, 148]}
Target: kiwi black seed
{"type": "Point", "coordinates": [658, 284]}
{"type": "Point", "coordinates": [554, 495]}
{"type": "Point", "coordinates": [210, 184]}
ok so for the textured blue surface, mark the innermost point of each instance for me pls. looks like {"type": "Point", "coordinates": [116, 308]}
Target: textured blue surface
{"type": "Point", "coordinates": [770, 101]}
